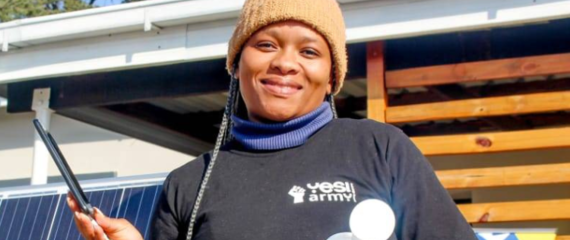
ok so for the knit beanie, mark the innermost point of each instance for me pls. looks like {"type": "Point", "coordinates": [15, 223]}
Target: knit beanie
{"type": "Point", "coordinates": [324, 16]}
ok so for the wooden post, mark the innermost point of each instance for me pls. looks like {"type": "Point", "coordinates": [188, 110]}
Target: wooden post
{"type": "Point", "coordinates": [376, 84]}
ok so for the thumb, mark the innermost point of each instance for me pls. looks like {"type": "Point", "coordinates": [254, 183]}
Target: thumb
{"type": "Point", "coordinates": [110, 225]}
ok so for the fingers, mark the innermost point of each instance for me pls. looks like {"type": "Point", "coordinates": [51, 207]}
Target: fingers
{"type": "Point", "coordinates": [82, 222]}
{"type": "Point", "coordinates": [99, 233]}
{"type": "Point", "coordinates": [89, 230]}
{"type": "Point", "coordinates": [114, 228]}
{"type": "Point", "coordinates": [84, 225]}
{"type": "Point", "coordinates": [72, 203]}
{"type": "Point", "coordinates": [101, 219]}
{"type": "Point", "coordinates": [110, 225]}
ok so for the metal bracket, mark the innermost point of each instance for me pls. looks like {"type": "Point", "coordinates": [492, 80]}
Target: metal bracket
{"type": "Point", "coordinates": [41, 98]}
{"type": "Point", "coordinates": [4, 37]}
{"type": "Point", "coordinates": [40, 104]}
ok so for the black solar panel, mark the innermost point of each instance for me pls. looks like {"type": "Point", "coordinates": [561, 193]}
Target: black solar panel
{"type": "Point", "coordinates": [47, 217]}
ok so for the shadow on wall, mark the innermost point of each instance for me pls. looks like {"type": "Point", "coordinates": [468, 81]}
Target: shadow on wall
{"type": "Point", "coordinates": [55, 179]}
{"type": "Point", "coordinates": [17, 131]}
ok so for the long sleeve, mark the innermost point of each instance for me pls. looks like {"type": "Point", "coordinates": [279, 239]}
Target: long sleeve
{"type": "Point", "coordinates": [423, 208]}
{"type": "Point", "coordinates": [165, 223]}
{"type": "Point", "coordinates": [172, 214]}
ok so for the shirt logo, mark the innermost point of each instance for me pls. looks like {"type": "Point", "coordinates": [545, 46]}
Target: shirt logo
{"type": "Point", "coordinates": [324, 192]}
{"type": "Point", "coordinates": [298, 194]}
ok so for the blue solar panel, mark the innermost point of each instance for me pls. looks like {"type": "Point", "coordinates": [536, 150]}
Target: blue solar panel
{"type": "Point", "coordinates": [47, 217]}
{"type": "Point", "coordinates": [27, 218]}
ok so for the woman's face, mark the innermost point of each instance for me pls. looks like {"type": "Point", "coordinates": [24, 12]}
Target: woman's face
{"type": "Point", "coordinates": [284, 72]}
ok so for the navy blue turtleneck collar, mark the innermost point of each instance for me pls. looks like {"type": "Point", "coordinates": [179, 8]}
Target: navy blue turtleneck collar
{"type": "Point", "coordinates": [274, 136]}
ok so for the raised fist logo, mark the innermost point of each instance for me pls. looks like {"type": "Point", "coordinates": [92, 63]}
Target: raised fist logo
{"type": "Point", "coordinates": [297, 193]}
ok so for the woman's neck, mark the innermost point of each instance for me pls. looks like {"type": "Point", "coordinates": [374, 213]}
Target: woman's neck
{"type": "Point", "coordinates": [280, 135]}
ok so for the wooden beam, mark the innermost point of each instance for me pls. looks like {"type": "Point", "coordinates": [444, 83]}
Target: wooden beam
{"type": "Point", "coordinates": [479, 71]}
{"type": "Point", "coordinates": [483, 107]}
{"type": "Point", "coordinates": [516, 211]}
{"type": "Point", "coordinates": [457, 92]}
{"type": "Point", "coordinates": [505, 176]}
{"type": "Point", "coordinates": [376, 89]}
{"type": "Point", "coordinates": [563, 237]}
{"type": "Point", "coordinates": [494, 142]}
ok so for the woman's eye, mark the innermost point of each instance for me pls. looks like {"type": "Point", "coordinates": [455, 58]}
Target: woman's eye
{"type": "Point", "coordinates": [264, 45]}
{"type": "Point", "coordinates": [310, 52]}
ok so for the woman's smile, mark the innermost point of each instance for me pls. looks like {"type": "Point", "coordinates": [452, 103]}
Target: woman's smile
{"type": "Point", "coordinates": [280, 87]}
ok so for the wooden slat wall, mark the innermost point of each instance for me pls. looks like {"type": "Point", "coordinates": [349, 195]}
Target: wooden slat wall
{"type": "Point", "coordinates": [516, 211]}
{"type": "Point", "coordinates": [505, 176]}
{"type": "Point", "coordinates": [378, 81]}
{"type": "Point", "coordinates": [478, 71]}
{"type": "Point", "coordinates": [484, 107]}
{"type": "Point", "coordinates": [494, 142]}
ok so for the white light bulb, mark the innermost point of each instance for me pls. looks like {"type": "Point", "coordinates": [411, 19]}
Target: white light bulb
{"type": "Point", "coordinates": [343, 236]}
{"type": "Point", "coordinates": [372, 219]}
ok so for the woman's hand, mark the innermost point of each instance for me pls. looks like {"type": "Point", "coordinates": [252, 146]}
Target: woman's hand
{"type": "Point", "coordinates": [116, 229]}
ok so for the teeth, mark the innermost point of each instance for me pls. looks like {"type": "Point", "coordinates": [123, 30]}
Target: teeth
{"type": "Point", "coordinates": [285, 89]}
{"type": "Point", "coordinates": [281, 88]}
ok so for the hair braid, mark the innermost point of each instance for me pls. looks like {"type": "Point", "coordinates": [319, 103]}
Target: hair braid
{"type": "Point", "coordinates": [224, 136]}
{"type": "Point", "coordinates": [330, 97]}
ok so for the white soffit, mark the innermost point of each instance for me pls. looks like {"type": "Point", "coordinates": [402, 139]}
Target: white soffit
{"type": "Point", "coordinates": [116, 19]}
{"type": "Point", "coordinates": [111, 39]}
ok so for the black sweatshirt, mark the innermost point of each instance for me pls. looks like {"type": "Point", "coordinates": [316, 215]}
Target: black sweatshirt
{"type": "Point", "coordinates": [308, 192]}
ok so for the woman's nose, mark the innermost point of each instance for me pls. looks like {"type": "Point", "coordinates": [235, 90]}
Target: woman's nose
{"type": "Point", "coordinates": [285, 62]}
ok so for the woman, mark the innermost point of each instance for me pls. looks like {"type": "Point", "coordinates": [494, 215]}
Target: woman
{"type": "Point", "coordinates": [283, 166]}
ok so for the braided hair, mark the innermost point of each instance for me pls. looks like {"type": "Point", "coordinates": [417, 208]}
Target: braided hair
{"type": "Point", "coordinates": [224, 136]}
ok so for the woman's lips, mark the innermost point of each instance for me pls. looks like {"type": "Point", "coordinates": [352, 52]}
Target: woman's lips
{"type": "Point", "coordinates": [280, 87]}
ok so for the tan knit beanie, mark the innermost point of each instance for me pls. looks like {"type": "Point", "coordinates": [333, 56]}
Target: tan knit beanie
{"type": "Point", "coordinates": [324, 16]}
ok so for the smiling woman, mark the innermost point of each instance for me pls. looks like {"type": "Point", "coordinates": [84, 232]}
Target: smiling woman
{"type": "Point", "coordinates": [283, 166]}
{"type": "Point", "coordinates": [284, 72]}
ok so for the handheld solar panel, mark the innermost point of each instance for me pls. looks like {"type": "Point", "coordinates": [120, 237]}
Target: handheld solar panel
{"type": "Point", "coordinates": [41, 213]}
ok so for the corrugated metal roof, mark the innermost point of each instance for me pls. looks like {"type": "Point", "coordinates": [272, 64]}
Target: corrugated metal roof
{"type": "Point", "coordinates": [217, 101]}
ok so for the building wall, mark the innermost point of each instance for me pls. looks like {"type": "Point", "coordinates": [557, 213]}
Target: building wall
{"type": "Point", "coordinates": [92, 152]}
